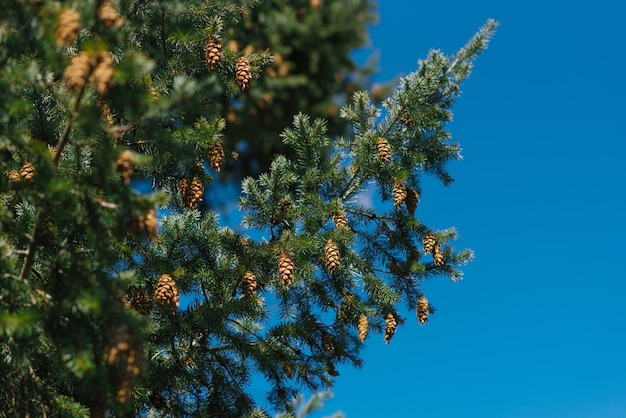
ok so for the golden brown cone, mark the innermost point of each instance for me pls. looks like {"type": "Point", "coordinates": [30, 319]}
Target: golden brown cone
{"type": "Point", "coordinates": [249, 283]}
{"type": "Point", "coordinates": [216, 156]}
{"type": "Point", "coordinates": [108, 14]}
{"type": "Point", "coordinates": [125, 165]}
{"type": "Point", "coordinates": [384, 150]}
{"type": "Point", "coordinates": [243, 73]}
{"type": "Point", "coordinates": [166, 292]}
{"type": "Point", "coordinates": [140, 301]}
{"type": "Point", "coordinates": [411, 201]}
{"type": "Point", "coordinates": [422, 309]}
{"type": "Point", "coordinates": [77, 71]}
{"type": "Point", "coordinates": [134, 366]}
{"type": "Point", "coordinates": [391, 323]}
{"type": "Point", "coordinates": [438, 256]}
{"type": "Point", "coordinates": [14, 176]}
{"type": "Point", "coordinates": [331, 252]}
{"type": "Point", "coordinates": [150, 224]}
{"type": "Point", "coordinates": [27, 172]}
{"type": "Point", "coordinates": [314, 5]}
{"type": "Point", "coordinates": [67, 27]}
{"type": "Point", "coordinates": [286, 269]}
{"type": "Point", "coordinates": [191, 192]}
{"type": "Point", "coordinates": [118, 346]}
{"type": "Point", "coordinates": [213, 52]}
{"type": "Point", "coordinates": [327, 342]}
{"type": "Point", "coordinates": [340, 220]}
{"type": "Point", "coordinates": [429, 241]}
{"type": "Point", "coordinates": [399, 193]}
{"type": "Point", "coordinates": [362, 327]}
{"type": "Point", "coordinates": [103, 72]}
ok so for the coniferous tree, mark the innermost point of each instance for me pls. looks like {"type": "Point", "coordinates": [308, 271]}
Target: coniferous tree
{"type": "Point", "coordinates": [118, 295]}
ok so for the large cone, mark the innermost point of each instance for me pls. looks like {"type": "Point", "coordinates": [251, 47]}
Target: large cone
{"type": "Point", "coordinates": [166, 292]}
{"type": "Point", "coordinates": [286, 269]}
{"type": "Point", "coordinates": [249, 283]}
{"type": "Point", "coordinates": [422, 309]}
{"type": "Point", "coordinates": [391, 323]}
{"type": "Point", "coordinates": [362, 327]}
{"type": "Point", "coordinates": [331, 252]}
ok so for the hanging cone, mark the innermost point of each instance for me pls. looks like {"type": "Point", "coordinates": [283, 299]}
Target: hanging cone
{"type": "Point", "coordinates": [125, 165]}
{"type": "Point", "coordinates": [330, 368]}
{"type": "Point", "coordinates": [285, 269]}
{"type": "Point", "coordinates": [399, 193]}
{"type": "Point", "coordinates": [134, 365]}
{"type": "Point", "coordinates": [331, 251]}
{"type": "Point", "coordinates": [216, 156]}
{"type": "Point", "coordinates": [422, 309]}
{"type": "Point", "coordinates": [384, 150]}
{"type": "Point", "coordinates": [340, 220]}
{"type": "Point", "coordinates": [118, 346]}
{"type": "Point", "coordinates": [213, 52]}
{"type": "Point", "coordinates": [27, 172]}
{"type": "Point", "coordinates": [314, 5]}
{"type": "Point", "coordinates": [429, 241]}
{"type": "Point", "coordinates": [67, 27]}
{"type": "Point", "coordinates": [166, 291]}
{"type": "Point", "coordinates": [243, 74]}
{"type": "Point", "coordinates": [362, 327]}
{"type": "Point", "coordinates": [108, 14]}
{"type": "Point", "coordinates": [150, 224]}
{"type": "Point", "coordinates": [77, 71]}
{"type": "Point", "coordinates": [191, 192]}
{"type": "Point", "coordinates": [14, 176]}
{"type": "Point", "coordinates": [327, 342]}
{"type": "Point", "coordinates": [391, 323]}
{"type": "Point", "coordinates": [140, 301]}
{"type": "Point", "coordinates": [249, 283]}
{"type": "Point", "coordinates": [438, 256]}
{"type": "Point", "coordinates": [412, 198]}
{"type": "Point", "coordinates": [103, 72]}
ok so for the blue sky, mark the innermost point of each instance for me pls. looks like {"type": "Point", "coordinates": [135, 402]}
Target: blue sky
{"type": "Point", "coordinates": [536, 328]}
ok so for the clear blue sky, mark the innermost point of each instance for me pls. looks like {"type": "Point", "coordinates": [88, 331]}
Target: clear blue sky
{"type": "Point", "coordinates": [536, 329]}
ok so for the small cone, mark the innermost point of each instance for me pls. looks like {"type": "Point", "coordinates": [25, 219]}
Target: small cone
{"type": "Point", "coordinates": [285, 269]}
{"type": "Point", "coordinates": [243, 73]}
{"type": "Point", "coordinates": [108, 14]}
{"type": "Point", "coordinates": [150, 224]}
{"type": "Point", "coordinates": [429, 241]}
{"type": "Point", "coordinates": [166, 292]}
{"type": "Point", "coordinates": [315, 3]}
{"type": "Point", "coordinates": [103, 72]}
{"type": "Point", "coordinates": [27, 172]}
{"type": "Point", "coordinates": [134, 365]}
{"type": "Point", "coordinates": [391, 323]}
{"type": "Point", "coordinates": [216, 156]}
{"type": "Point", "coordinates": [327, 343]}
{"type": "Point", "coordinates": [384, 150]}
{"type": "Point", "coordinates": [438, 256]}
{"type": "Point", "coordinates": [249, 283]}
{"type": "Point", "coordinates": [340, 220]}
{"type": "Point", "coordinates": [140, 301]}
{"type": "Point", "coordinates": [422, 309]}
{"type": "Point", "coordinates": [411, 201]}
{"type": "Point", "coordinates": [330, 367]}
{"type": "Point", "coordinates": [287, 369]}
{"type": "Point", "coordinates": [118, 346]}
{"type": "Point", "coordinates": [399, 193]}
{"type": "Point", "coordinates": [125, 163]}
{"type": "Point", "coordinates": [213, 52]}
{"type": "Point", "coordinates": [77, 71]}
{"type": "Point", "coordinates": [67, 27]}
{"type": "Point", "coordinates": [331, 252]}
{"type": "Point", "coordinates": [14, 176]}
{"type": "Point", "coordinates": [362, 327]}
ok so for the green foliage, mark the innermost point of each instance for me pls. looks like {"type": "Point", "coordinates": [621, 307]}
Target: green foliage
{"type": "Point", "coordinates": [87, 323]}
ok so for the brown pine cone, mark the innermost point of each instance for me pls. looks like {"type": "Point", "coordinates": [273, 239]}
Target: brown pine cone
{"type": "Point", "coordinates": [166, 292]}
{"type": "Point", "coordinates": [399, 193]}
{"type": "Point", "coordinates": [103, 72]}
{"type": "Point", "coordinates": [362, 327]}
{"type": "Point", "coordinates": [411, 201]}
{"type": "Point", "coordinates": [27, 172]}
{"type": "Point", "coordinates": [191, 192]}
{"type": "Point", "coordinates": [327, 342]}
{"type": "Point", "coordinates": [135, 364]}
{"type": "Point", "coordinates": [286, 269]}
{"type": "Point", "coordinates": [216, 156]}
{"type": "Point", "coordinates": [77, 71]}
{"type": "Point", "coordinates": [150, 224]}
{"type": "Point", "coordinates": [67, 27]}
{"type": "Point", "coordinates": [14, 176]}
{"type": "Point", "coordinates": [108, 14]}
{"type": "Point", "coordinates": [429, 241]}
{"type": "Point", "coordinates": [391, 323]}
{"type": "Point", "coordinates": [249, 283]}
{"type": "Point", "coordinates": [340, 220]}
{"type": "Point", "coordinates": [125, 163]}
{"type": "Point", "coordinates": [384, 150]}
{"type": "Point", "coordinates": [118, 346]}
{"type": "Point", "coordinates": [331, 252]}
{"type": "Point", "coordinates": [243, 73]}
{"type": "Point", "coordinates": [438, 256]}
{"type": "Point", "coordinates": [422, 309]}
{"type": "Point", "coordinates": [140, 301]}
{"type": "Point", "coordinates": [213, 52]}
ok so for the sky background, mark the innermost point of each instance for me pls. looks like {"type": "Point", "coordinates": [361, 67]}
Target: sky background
{"type": "Point", "coordinates": [536, 328]}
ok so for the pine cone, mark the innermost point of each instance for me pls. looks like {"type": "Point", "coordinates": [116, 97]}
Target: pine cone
{"type": "Point", "coordinates": [67, 27]}
{"type": "Point", "coordinates": [286, 269]}
{"type": "Point", "coordinates": [391, 323]}
{"type": "Point", "coordinates": [327, 342]}
{"type": "Point", "coordinates": [422, 309]}
{"type": "Point", "coordinates": [118, 346]}
{"type": "Point", "coordinates": [140, 301]}
{"type": "Point", "coordinates": [27, 172]}
{"type": "Point", "coordinates": [191, 192]}
{"type": "Point", "coordinates": [287, 369]}
{"type": "Point", "coordinates": [384, 150]}
{"type": "Point", "coordinates": [108, 14]}
{"type": "Point", "coordinates": [77, 71]}
{"type": "Point", "coordinates": [134, 365]}
{"type": "Point", "coordinates": [14, 176]}
{"type": "Point", "coordinates": [438, 256]}
{"type": "Point", "coordinates": [314, 5]}
{"type": "Point", "coordinates": [150, 224]}
{"type": "Point", "coordinates": [399, 193]}
{"type": "Point", "coordinates": [411, 200]}
{"type": "Point", "coordinates": [165, 291]}
{"type": "Point", "coordinates": [213, 52]}
{"type": "Point", "coordinates": [330, 367]}
{"type": "Point", "coordinates": [243, 73]}
{"type": "Point", "coordinates": [216, 156]}
{"type": "Point", "coordinates": [125, 163]}
{"type": "Point", "coordinates": [331, 251]}
{"type": "Point", "coordinates": [249, 283]}
{"type": "Point", "coordinates": [429, 241]}
{"type": "Point", "coordinates": [103, 72]}
{"type": "Point", "coordinates": [340, 220]}
{"type": "Point", "coordinates": [362, 327]}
